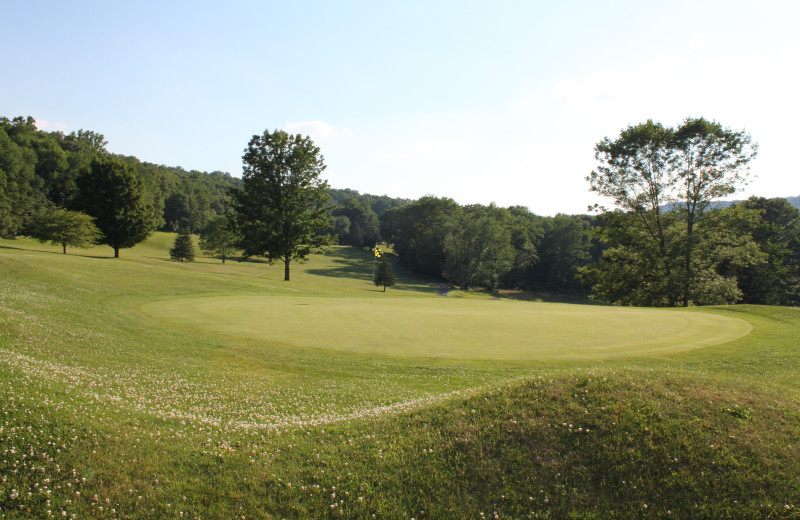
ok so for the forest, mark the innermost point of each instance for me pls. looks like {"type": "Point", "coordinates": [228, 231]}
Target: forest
{"type": "Point", "coordinates": [650, 252]}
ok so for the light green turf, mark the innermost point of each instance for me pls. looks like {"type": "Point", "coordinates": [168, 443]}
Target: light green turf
{"type": "Point", "coordinates": [453, 328]}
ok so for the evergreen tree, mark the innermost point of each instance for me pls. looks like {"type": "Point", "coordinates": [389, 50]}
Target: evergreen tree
{"type": "Point", "coordinates": [183, 248]}
{"type": "Point", "coordinates": [385, 276]}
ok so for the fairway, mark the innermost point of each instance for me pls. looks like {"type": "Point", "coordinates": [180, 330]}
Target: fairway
{"type": "Point", "coordinates": [453, 328]}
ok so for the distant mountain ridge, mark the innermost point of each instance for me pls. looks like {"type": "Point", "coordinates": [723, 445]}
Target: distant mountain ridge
{"type": "Point", "coordinates": [794, 201]}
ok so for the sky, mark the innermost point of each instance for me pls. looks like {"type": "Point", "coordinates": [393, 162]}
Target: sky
{"type": "Point", "coordinates": [478, 101]}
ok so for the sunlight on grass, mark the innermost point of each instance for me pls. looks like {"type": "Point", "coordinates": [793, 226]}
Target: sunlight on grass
{"type": "Point", "coordinates": [470, 329]}
{"type": "Point", "coordinates": [147, 388]}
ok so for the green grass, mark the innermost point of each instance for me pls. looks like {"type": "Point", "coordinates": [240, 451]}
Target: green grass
{"type": "Point", "coordinates": [452, 328]}
{"type": "Point", "coordinates": [132, 389]}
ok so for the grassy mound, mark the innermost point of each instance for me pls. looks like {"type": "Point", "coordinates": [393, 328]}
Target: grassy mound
{"type": "Point", "coordinates": [110, 412]}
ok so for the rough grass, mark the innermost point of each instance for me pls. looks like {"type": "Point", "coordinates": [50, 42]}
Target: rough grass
{"type": "Point", "coordinates": [109, 412]}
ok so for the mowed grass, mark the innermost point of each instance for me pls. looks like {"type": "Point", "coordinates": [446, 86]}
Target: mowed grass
{"type": "Point", "coordinates": [114, 408]}
{"type": "Point", "coordinates": [453, 328]}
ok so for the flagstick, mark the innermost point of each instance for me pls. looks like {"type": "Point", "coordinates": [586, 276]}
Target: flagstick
{"type": "Point", "coordinates": [372, 280]}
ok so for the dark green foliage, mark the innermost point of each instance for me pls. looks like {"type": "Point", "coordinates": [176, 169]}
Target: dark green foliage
{"type": "Point", "coordinates": [385, 275]}
{"type": "Point", "coordinates": [218, 238]}
{"type": "Point", "coordinates": [113, 194]}
{"type": "Point", "coordinates": [418, 231]}
{"type": "Point", "coordinates": [377, 203]}
{"type": "Point", "coordinates": [776, 230]}
{"type": "Point", "coordinates": [282, 212]}
{"type": "Point", "coordinates": [21, 191]}
{"type": "Point", "coordinates": [526, 235]}
{"type": "Point", "coordinates": [478, 249]}
{"type": "Point", "coordinates": [185, 198]}
{"type": "Point", "coordinates": [563, 250]}
{"type": "Point", "coordinates": [183, 248]}
{"type": "Point", "coordinates": [65, 228]}
{"type": "Point", "coordinates": [363, 227]}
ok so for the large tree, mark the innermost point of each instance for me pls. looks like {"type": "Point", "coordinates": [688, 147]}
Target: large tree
{"type": "Point", "coordinates": [112, 193]}
{"type": "Point", "coordinates": [418, 230]}
{"type": "Point", "coordinates": [650, 170]}
{"type": "Point", "coordinates": [65, 228]}
{"type": "Point", "coordinates": [282, 210]}
{"type": "Point", "coordinates": [478, 249]}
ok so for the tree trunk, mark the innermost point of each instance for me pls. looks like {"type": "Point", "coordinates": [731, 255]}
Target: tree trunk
{"type": "Point", "coordinates": [384, 288]}
{"type": "Point", "coordinates": [116, 252]}
{"type": "Point", "coordinates": [223, 258]}
{"type": "Point", "coordinates": [687, 283]}
{"type": "Point", "coordinates": [286, 261]}
{"type": "Point", "coordinates": [65, 248]}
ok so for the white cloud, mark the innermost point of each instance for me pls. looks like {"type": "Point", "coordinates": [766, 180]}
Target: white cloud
{"type": "Point", "coordinates": [51, 126]}
{"type": "Point", "coordinates": [315, 129]}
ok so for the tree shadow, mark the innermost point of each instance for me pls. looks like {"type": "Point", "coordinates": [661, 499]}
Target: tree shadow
{"type": "Point", "coordinates": [349, 262]}
{"type": "Point", "coordinates": [544, 297]}
{"type": "Point", "coordinates": [70, 252]}
{"type": "Point", "coordinates": [352, 262]}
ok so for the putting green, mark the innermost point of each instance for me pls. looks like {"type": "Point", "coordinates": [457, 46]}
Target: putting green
{"type": "Point", "coordinates": [453, 328]}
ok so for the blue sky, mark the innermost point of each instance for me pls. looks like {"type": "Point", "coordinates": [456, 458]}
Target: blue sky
{"type": "Point", "coordinates": [479, 101]}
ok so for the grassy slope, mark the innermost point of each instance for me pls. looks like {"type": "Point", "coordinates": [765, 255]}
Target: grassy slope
{"type": "Point", "coordinates": [110, 413]}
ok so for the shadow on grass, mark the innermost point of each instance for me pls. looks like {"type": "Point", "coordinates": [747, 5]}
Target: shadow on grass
{"type": "Point", "coordinates": [348, 262]}
{"type": "Point", "coordinates": [352, 262]}
{"type": "Point", "coordinates": [544, 296]}
{"type": "Point", "coordinates": [70, 252]}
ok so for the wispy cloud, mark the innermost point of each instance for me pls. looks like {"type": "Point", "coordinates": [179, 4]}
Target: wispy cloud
{"type": "Point", "coordinates": [315, 129]}
{"type": "Point", "coordinates": [51, 126]}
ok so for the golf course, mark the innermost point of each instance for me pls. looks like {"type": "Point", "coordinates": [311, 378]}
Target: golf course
{"type": "Point", "coordinates": [142, 387]}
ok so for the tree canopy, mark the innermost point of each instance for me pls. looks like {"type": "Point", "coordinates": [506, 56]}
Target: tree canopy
{"type": "Point", "coordinates": [282, 210]}
{"type": "Point", "coordinates": [65, 228]}
{"type": "Point", "coordinates": [667, 178]}
{"type": "Point", "coordinates": [112, 193]}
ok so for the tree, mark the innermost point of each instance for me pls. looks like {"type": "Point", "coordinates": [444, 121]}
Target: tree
{"type": "Point", "coordinates": [526, 234]}
{"type": "Point", "coordinates": [478, 249]}
{"type": "Point", "coordinates": [64, 227]}
{"type": "Point", "coordinates": [776, 230]}
{"type": "Point", "coordinates": [712, 162]}
{"type": "Point", "coordinates": [183, 248]}
{"type": "Point", "coordinates": [363, 223]}
{"type": "Point", "coordinates": [21, 191]}
{"type": "Point", "coordinates": [563, 250]}
{"type": "Point", "coordinates": [114, 196]}
{"type": "Point", "coordinates": [217, 238]}
{"type": "Point", "coordinates": [385, 275]}
{"type": "Point", "coordinates": [282, 210]}
{"type": "Point", "coordinates": [418, 230]}
{"type": "Point", "coordinates": [650, 170]}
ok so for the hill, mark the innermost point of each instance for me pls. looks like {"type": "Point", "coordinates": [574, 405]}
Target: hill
{"type": "Point", "coordinates": [111, 411]}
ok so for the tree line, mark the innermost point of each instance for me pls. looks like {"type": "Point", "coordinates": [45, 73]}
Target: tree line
{"type": "Point", "coordinates": [41, 170]}
{"type": "Point", "coordinates": [668, 243]}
